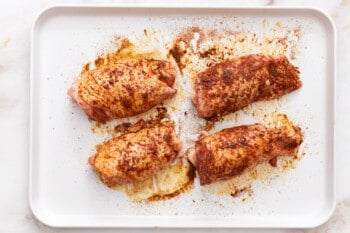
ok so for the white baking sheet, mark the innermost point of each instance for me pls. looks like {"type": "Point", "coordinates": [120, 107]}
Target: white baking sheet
{"type": "Point", "coordinates": [65, 192]}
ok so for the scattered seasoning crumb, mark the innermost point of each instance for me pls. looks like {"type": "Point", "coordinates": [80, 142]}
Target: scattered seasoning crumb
{"type": "Point", "coordinates": [207, 53]}
{"type": "Point", "coordinates": [297, 31]}
{"type": "Point", "coordinates": [122, 128]}
{"type": "Point", "coordinates": [237, 192]}
{"type": "Point", "coordinates": [99, 62]}
{"type": "Point", "coordinates": [86, 67]}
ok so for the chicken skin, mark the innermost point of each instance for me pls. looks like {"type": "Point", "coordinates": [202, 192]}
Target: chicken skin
{"type": "Point", "coordinates": [231, 151]}
{"type": "Point", "coordinates": [234, 84]}
{"type": "Point", "coordinates": [124, 89]}
{"type": "Point", "coordinates": [138, 154]}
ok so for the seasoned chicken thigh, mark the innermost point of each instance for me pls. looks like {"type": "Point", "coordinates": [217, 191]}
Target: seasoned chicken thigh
{"type": "Point", "coordinates": [233, 150]}
{"type": "Point", "coordinates": [136, 155]}
{"type": "Point", "coordinates": [234, 84]}
{"type": "Point", "coordinates": [124, 89]}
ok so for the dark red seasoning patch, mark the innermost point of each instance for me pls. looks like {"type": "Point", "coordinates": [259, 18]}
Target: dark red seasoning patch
{"type": "Point", "coordinates": [273, 162]}
{"type": "Point", "coordinates": [207, 53]}
{"type": "Point", "coordinates": [177, 53]}
{"type": "Point", "coordinates": [99, 62]}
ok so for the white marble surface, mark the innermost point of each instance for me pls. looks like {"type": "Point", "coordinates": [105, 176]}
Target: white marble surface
{"type": "Point", "coordinates": [16, 17]}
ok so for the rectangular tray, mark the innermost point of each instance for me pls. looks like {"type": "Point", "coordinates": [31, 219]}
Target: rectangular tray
{"type": "Point", "coordinates": [64, 191]}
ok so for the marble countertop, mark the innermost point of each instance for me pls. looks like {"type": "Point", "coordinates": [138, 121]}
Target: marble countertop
{"type": "Point", "coordinates": [16, 18]}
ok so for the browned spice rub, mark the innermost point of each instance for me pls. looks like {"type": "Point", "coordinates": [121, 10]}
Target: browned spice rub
{"type": "Point", "coordinates": [231, 151]}
{"type": "Point", "coordinates": [137, 155]}
{"type": "Point", "coordinates": [234, 84]}
{"type": "Point", "coordinates": [124, 89]}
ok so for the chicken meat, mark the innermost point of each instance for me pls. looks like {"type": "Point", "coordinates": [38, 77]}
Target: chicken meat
{"type": "Point", "coordinates": [123, 89]}
{"type": "Point", "coordinates": [234, 84]}
{"type": "Point", "coordinates": [137, 154]}
{"type": "Point", "coordinates": [231, 151]}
